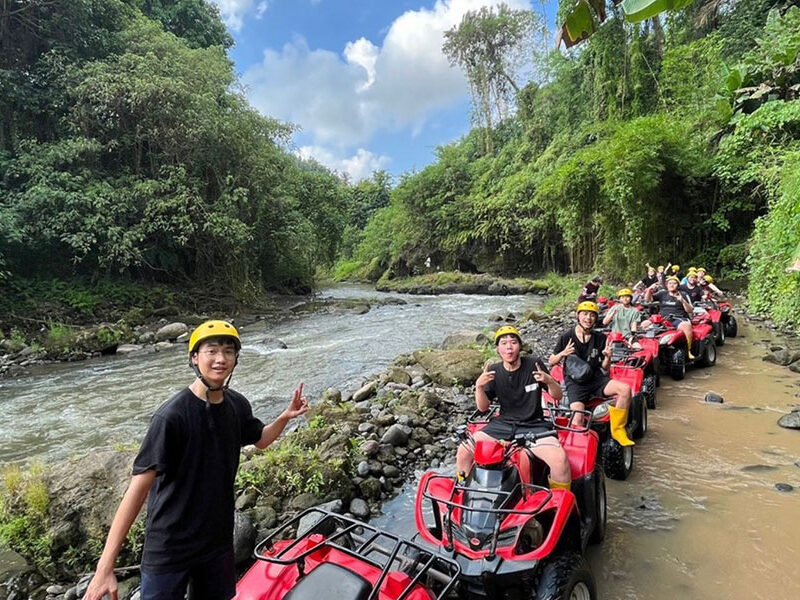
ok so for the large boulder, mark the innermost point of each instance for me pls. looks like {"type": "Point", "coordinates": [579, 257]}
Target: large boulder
{"type": "Point", "coordinates": [398, 375]}
{"type": "Point", "coordinates": [448, 367]}
{"type": "Point", "coordinates": [365, 391]}
{"type": "Point", "coordinates": [460, 339]}
{"type": "Point", "coordinates": [244, 537]}
{"type": "Point", "coordinates": [171, 331]}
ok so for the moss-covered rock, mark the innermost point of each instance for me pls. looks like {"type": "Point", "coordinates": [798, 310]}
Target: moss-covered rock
{"type": "Point", "coordinates": [449, 367]}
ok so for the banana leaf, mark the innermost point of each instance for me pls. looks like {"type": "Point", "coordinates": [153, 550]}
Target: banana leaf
{"type": "Point", "coordinates": [579, 24]}
{"type": "Point", "coordinates": [640, 10]}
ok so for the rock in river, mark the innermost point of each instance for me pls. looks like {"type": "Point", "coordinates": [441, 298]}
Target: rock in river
{"type": "Point", "coordinates": [171, 331]}
{"type": "Point", "coordinates": [790, 421]}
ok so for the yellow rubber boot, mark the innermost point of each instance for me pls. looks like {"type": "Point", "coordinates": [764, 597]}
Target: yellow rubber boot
{"type": "Point", "coordinates": [559, 485]}
{"type": "Point", "coordinates": [619, 416]}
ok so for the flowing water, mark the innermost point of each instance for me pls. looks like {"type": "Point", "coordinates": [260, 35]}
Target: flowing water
{"type": "Point", "coordinates": [74, 407]}
{"type": "Point", "coordinates": [699, 517]}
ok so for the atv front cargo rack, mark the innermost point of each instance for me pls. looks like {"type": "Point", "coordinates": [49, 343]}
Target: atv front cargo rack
{"type": "Point", "coordinates": [381, 550]}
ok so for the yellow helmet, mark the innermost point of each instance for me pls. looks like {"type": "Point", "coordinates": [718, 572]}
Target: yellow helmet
{"type": "Point", "coordinates": [676, 268]}
{"type": "Point", "coordinates": [506, 330]}
{"type": "Point", "coordinates": [660, 267]}
{"type": "Point", "coordinates": [211, 329]}
{"type": "Point", "coordinates": [709, 278]}
{"type": "Point", "coordinates": [588, 305]}
{"type": "Point", "coordinates": [703, 269]}
{"type": "Point", "coordinates": [625, 292]}
{"type": "Point", "coordinates": [673, 278]}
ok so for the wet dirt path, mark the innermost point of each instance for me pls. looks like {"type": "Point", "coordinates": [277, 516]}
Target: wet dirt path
{"type": "Point", "coordinates": [699, 517]}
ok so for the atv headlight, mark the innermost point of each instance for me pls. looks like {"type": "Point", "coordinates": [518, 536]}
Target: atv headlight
{"type": "Point", "coordinates": [531, 537]}
{"type": "Point", "coordinates": [601, 410]}
{"type": "Point", "coordinates": [665, 341]}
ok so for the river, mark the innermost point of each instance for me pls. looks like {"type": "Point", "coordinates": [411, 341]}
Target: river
{"type": "Point", "coordinates": [699, 518]}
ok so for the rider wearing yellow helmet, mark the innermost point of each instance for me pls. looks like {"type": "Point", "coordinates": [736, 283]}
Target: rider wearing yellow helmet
{"type": "Point", "coordinates": [186, 466]}
{"type": "Point", "coordinates": [623, 317]}
{"type": "Point", "coordinates": [516, 384]}
{"type": "Point", "coordinates": [593, 348]}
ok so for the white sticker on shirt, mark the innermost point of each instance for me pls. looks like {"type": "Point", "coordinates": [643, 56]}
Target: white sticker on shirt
{"type": "Point", "coordinates": [531, 387]}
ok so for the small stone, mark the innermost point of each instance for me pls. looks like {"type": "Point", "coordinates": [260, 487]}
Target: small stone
{"type": "Point", "coordinates": [363, 468]}
{"type": "Point", "coordinates": [71, 594]}
{"type": "Point", "coordinates": [365, 392]}
{"type": "Point", "coordinates": [128, 348]}
{"type": "Point", "coordinates": [391, 471]}
{"type": "Point", "coordinates": [183, 338]}
{"type": "Point", "coordinates": [375, 467]}
{"type": "Point", "coordinates": [784, 487]}
{"type": "Point", "coordinates": [396, 435]}
{"type": "Point", "coordinates": [303, 501]}
{"type": "Point", "coordinates": [359, 508]}
{"type": "Point", "coordinates": [171, 331]}
{"type": "Point", "coordinates": [332, 395]}
{"type": "Point", "coordinates": [790, 421]}
{"type": "Point", "coordinates": [148, 337]}
{"type": "Point", "coordinates": [247, 499]}
{"type": "Point", "coordinates": [370, 448]}
{"type": "Point", "coordinates": [370, 488]}
{"type": "Point", "coordinates": [365, 427]}
{"type": "Point", "coordinates": [711, 397]}
{"type": "Point", "coordinates": [55, 590]}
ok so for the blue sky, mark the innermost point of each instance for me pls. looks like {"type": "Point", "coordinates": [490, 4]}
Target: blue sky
{"type": "Point", "coordinates": [365, 80]}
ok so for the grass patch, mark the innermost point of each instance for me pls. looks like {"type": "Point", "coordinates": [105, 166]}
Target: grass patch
{"type": "Point", "coordinates": [24, 522]}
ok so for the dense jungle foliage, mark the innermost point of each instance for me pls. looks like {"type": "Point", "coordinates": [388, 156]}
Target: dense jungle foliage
{"type": "Point", "coordinates": [128, 153]}
{"type": "Point", "coordinates": [660, 141]}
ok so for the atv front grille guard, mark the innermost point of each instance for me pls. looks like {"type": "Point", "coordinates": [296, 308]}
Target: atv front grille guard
{"type": "Point", "coordinates": [623, 356]}
{"type": "Point", "coordinates": [524, 489]}
{"type": "Point", "coordinates": [363, 542]}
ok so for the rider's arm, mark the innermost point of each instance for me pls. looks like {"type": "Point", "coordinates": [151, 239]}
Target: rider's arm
{"type": "Point", "coordinates": [104, 582]}
{"type": "Point", "coordinates": [648, 294]}
{"type": "Point", "coordinates": [610, 314]}
{"type": "Point", "coordinates": [687, 305]}
{"type": "Point", "coordinates": [481, 399]}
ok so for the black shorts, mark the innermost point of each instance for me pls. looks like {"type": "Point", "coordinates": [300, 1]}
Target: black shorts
{"type": "Point", "coordinates": [506, 430]}
{"type": "Point", "coordinates": [581, 392]}
{"type": "Point", "coordinates": [213, 579]}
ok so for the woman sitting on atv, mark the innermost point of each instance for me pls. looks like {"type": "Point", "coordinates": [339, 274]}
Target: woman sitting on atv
{"type": "Point", "coordinates": [516, 383]}
{"type": "Point", "coordinates": [675, 308]}
{"type": "Point", "coordinates": [595, 349]}
{"type": "Point", "coordinates": [691, 289]}
{"type": "Point", "coordinates": [623, 317]}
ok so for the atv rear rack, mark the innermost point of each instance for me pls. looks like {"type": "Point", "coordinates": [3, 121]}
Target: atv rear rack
{"type": "Point", "coordinates": [366, 543]}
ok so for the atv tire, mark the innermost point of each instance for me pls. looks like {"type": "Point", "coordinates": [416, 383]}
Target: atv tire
{"type": "Point", "coordinates": [641, 424]}
{"type": "Point", "coordinates": [719, 333]}
{"type": "Point", "coordinates": [731, 327]}
{"type": "Point", "coordinates": [677, 365]}
{"type": "Point", "coordinates": [601, 507]}
{"type": "Point", "coordinates": [649, 390]}
{"type": "Point", "coordinates": [617, 460]}
{"type": "Point", "coordinates": [709, 358]}
{"type": "Point", "coordinates": [565, 577]}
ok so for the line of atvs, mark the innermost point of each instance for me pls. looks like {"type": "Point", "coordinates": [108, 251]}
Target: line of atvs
{"type": "Point", "coordinates": [502, 532]}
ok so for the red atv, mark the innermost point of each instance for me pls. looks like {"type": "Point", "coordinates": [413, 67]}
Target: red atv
{"type": "Point", "coordinates": [715, 314]}
{"type": "Point", "coordinates": [338, 558]}
{"type": "Point", "coordinates": [617, 460]}
{"type": "Point", "coordinates": [673, 347]}
{"type": "Point", "coordinates": [511, 535]}
{"type": "Point", "coordinates": [625, 355]}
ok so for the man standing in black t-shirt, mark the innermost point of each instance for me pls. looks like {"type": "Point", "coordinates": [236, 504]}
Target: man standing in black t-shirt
{"type": "Point", "coordinates": [595, 349]}
{"type": "Point", "coordinates": [187, 465]}
{"type": "Point", "coordinates": [516, 383]}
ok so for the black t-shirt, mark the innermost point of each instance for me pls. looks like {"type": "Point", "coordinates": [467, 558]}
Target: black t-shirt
{"type": "Point", "coordinates": [519, 394]}
{"type": "Point", "coordinates": [591, 351]}
{"type": "Point", "coordinates": [647, 281]}
{"type": "Point", "coordinates": [694, 294]}
{"type": "Point", "coordinates": [194, 449]}
{"type": "Point", "coordinates": [670, 306]}
{"type": "Point", "coordinates": [589, 291]}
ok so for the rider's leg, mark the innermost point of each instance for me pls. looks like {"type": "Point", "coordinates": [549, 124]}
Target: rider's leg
{"type": "Point", "coordinates": [619, 413]}
{"type": "Point", "coordinates": [686, 328]}
{"type": "Point", "coordinates": [577, 419]}
{"type": "Point", "coordinates": [555, 457]}
{"type": "Point", "coordinates": [465, 455]}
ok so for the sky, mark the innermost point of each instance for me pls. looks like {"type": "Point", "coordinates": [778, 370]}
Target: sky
{"type": "Point", "coordinates": [364, 80]}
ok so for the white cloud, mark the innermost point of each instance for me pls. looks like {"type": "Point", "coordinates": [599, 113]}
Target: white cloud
{"type": "Point", "coordinates": [341, 100]}
{"type": "Point", "coordinates": [261, 8]}
{"type": "Point", "coordinates": [234, 11]}
{"type": "Point", "coordinates": [359, 166]}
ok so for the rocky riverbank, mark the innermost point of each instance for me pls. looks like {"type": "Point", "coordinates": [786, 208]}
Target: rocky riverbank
{"type": "Point", "coordinates": [352, 453]}
{"type": "Point", "coordinates": [454, 282]}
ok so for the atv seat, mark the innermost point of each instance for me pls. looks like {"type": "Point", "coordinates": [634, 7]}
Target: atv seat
{"type": "Point", "coordinates": [331, 582]}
